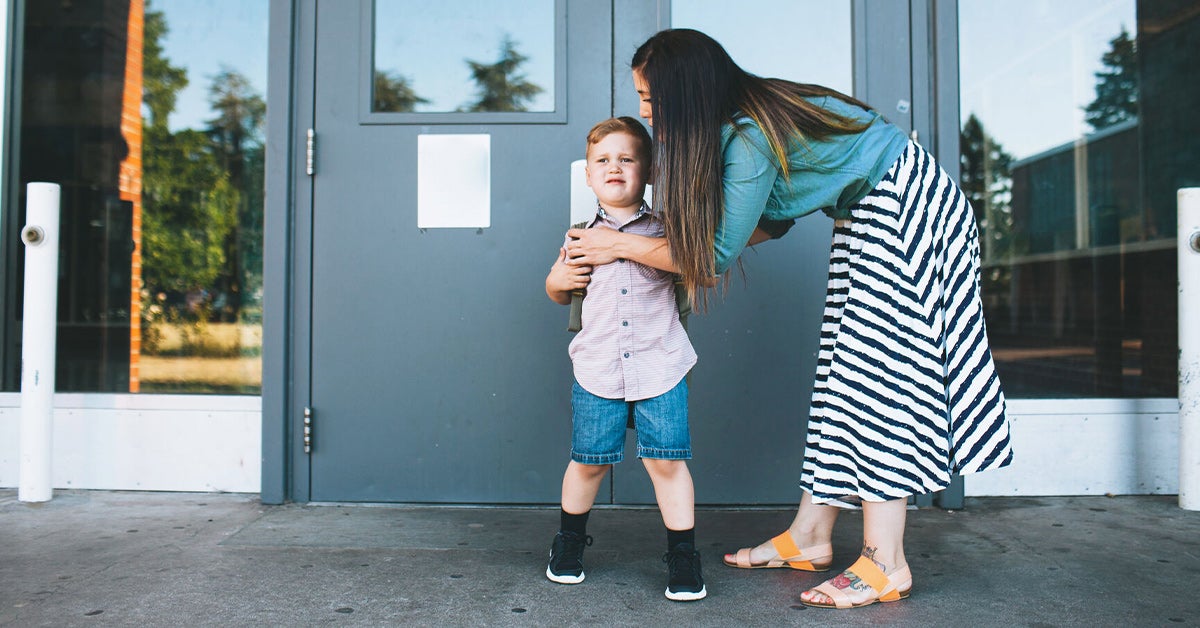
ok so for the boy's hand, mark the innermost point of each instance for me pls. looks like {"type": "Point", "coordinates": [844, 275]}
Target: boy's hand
{"type": "Point", "coordinates": [564, 278]}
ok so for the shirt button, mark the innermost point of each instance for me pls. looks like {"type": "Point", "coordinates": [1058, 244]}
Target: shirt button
{"type": "Point", "coordinates": [626, 355]}
{"type": "Point", "coordinates": [624, 291]}
{"type": "Point", "coordinates": [621, 261]}
{"type": "Point", "coordinates": [625, 323]}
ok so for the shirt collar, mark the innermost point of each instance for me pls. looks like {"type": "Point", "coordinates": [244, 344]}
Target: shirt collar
{"type": "Point", "coordinates": [642, 211]}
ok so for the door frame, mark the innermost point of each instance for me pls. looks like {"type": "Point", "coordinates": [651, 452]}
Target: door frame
{"type": "Point", "coordinates": [287, 250]}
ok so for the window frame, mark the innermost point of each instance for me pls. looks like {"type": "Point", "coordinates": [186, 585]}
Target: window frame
{"type": "Point", "coordinates": [366, 71]}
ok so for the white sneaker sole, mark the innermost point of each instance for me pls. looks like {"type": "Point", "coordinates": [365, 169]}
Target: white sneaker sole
{"type": "Point", "coordinates": [687, 596]}
{"type": "Point", "coordinates": [563, 579]}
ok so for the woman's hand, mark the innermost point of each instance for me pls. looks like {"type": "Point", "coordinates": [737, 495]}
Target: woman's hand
{"type": "Point", "coordinates": [599, 246]}
{"type": "Point", "coordinates": [593, 247]}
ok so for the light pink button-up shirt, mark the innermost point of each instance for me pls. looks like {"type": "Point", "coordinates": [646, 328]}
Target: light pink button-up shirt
{"type": "Point", "coordinates": [632, 345]}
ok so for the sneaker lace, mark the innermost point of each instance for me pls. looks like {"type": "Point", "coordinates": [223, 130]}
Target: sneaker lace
{"type": "Point", "coordinates": [573, 544]}
{"type": "Point", "coordinates": [682, 561]}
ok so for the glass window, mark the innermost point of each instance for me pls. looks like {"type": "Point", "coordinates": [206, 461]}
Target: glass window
{"type": "Point", "coordinates": [807, 41]}
{"type": "Point", "coordinates": [464, 56]}
{"type": "Point", "coordinates": [150, 116]}
{"type": "Point", "coordinates": [1077, 128]}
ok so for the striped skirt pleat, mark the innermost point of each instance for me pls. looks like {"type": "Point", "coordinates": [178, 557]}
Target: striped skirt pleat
{"type": "Point", "coordinates": [906, 394]}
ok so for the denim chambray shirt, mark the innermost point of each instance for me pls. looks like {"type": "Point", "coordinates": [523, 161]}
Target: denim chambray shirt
{"type": "Point", "coordinates": [830, 175]}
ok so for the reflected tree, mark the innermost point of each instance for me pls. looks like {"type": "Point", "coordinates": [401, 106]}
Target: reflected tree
{"type": "Point", "coordinates": [237, 143]}
{"type": "Point", "coordinates": [201, 197]}
{"type": "Point", "coordinates": [501, 86]}
{"type": "Point", "coordinates": [1116, 86]}
{"type": "Point", "coordinates": [986, 179]}
{"type": "Point", "coordinates": [161, 81]}
{"type": "Point", "coordinates": [187, 199]}
{"type": "Point", "coordinates": [392, 92]}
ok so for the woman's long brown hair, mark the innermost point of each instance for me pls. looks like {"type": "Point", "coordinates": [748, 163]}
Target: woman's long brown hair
{"type": "Point", "coordinates": [696, 88]}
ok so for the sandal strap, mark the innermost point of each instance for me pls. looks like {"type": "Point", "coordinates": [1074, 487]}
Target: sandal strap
{"type": "Point", "coordinates": [743, 558]}
{"type": "Point", "coordinates": [870, 573]}
{"type": "Point", "coordinates": [785, 546]}
{"type": "Point", "coordinates": [840, 599]}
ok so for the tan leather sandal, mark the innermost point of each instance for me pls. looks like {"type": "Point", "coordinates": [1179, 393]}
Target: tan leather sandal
{"type": "Point", "coordinates": [886, 588]}
{"type": "Point", "coordinates": [815, 558]}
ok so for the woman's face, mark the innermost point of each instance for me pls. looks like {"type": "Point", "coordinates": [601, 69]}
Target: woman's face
{"type": "Point", "coordinates": [643, 90]}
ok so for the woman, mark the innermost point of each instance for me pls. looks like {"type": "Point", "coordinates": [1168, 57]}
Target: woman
{"type": "Point", "coordinates": [905, 392]}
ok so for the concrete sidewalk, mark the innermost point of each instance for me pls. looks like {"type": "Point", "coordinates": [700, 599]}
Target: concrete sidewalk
{"type": "Point", "coordinates": [93, 558]}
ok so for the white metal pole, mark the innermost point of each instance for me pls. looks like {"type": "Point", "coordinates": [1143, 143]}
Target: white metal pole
{"type": "Point", "coordinates": [1189, 348]}
{"type": "Point", "coordinates": [40, 236]}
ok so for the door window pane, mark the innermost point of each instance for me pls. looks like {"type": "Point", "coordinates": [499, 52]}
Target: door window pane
{"type": "Point", "coordinates": [1078, 125]}
{"type": "Point", "coordinates": [464, 56]}
{"type": "Point", "coordinates": [150, 116]}
{"type": "Point", "coordinates": [807, 41]}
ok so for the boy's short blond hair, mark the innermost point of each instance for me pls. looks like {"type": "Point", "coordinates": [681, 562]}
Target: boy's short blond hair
{"type": "Point", "coordinates": [623, 124]}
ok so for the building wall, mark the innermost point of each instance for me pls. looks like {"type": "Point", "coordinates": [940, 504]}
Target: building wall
{"type": "Point", "coordinates": [214, 443]}
{"type": "Point", "coordinates": [180, 443]}
{"type": "Point", "coordinates": [144, 442]}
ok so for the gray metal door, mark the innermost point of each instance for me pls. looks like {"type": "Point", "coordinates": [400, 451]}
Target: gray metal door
{"type": "Point", "coordinates": [435, 365]}
{"type": "Point", "coordinates": [439, 370]}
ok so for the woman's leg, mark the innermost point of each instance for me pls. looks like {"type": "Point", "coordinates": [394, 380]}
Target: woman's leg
{"type": "Point", "coordinates": [580, 484]}
{"type": "Point", "coordinates": [674, 492]}
{"type": "Point", "coordinates": [883, 543]}
{"type": "Point", "coordinates": [813, 525]}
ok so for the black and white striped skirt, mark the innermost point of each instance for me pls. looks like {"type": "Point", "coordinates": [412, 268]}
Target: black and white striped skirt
{"type": "Point", "coordinates": [906, 393]}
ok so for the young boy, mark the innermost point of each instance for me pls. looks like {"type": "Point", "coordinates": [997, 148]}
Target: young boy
{"type": "Point", "coordinates": [629, 358]}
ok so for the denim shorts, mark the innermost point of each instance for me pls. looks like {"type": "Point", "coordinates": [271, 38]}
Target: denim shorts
{"type": "Point", "coordinates": [598, 426]}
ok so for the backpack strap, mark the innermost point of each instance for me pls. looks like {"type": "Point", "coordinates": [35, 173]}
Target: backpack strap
{"type": "Point", "coordinates": [575, 321]}
{"type": "Point", "coordinates": [682, 302]}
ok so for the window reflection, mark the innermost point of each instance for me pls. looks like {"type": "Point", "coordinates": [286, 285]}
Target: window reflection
{"type": "Point", "coordinates": [150, 116]}
{"type": "Point", "coordinates": [807, 41]}
{"type": "Point", "coordinates": [1074, 140]}
{"type": "Point", "coordinates": [464, 56]}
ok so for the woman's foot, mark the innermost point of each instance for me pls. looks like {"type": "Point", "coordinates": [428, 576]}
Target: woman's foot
{"type": "Point", "coordinates": [782, 551]}
{"type": "Point", "coordinates": [864, 583]}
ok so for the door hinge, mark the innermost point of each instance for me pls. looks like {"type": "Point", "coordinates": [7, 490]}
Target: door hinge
{"type": "Point", "coordinates": [310, 149]}
{"type": "Point", "coordinates": [308, 433]}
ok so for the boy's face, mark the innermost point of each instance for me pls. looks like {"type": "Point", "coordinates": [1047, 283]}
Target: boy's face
{"type": "Point", "coordinates": [616, 172]}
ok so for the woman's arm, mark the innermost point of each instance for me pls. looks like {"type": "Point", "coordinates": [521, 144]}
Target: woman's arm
{"type": "Point", "coordinates": [759, 236]}
{"type": "Point", "coordinates": [749, 174]}
{"type": "Point", "coordinates": [599, 246]}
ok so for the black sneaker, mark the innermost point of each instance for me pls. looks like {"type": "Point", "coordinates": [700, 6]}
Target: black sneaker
{"type": "Point", "coordinates": [685, 583]}
{"type": "Point", "coordinates": [566, 558]}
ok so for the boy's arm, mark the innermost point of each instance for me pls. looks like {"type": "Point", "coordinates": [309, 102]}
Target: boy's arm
{"type": "Point", "coordinates": [563, 278]}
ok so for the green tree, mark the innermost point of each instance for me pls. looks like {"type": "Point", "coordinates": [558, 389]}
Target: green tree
{"type": "Point", "coordinates": [1116, 86]}
{"type": "Point", "coordinates": [986, 178]}
{"type": "Point", "coordinates": [237, 140]}
{"type": "Point", "coordinates": [394, 93]}
{"type": "Point", "coordinates": [189, 203]}
{"type": "Point", "coordinates": [501, 88]}
{"type": "Point", "coordinates": [189, 208]}
{"type": "Point", "coordinates": [161, 81]}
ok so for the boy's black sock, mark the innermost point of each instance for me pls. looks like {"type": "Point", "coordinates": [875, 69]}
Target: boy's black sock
{"type": "Point", "coordinates": [574, 523]}
{"type": "Point", "coordinates": [675, 537]}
